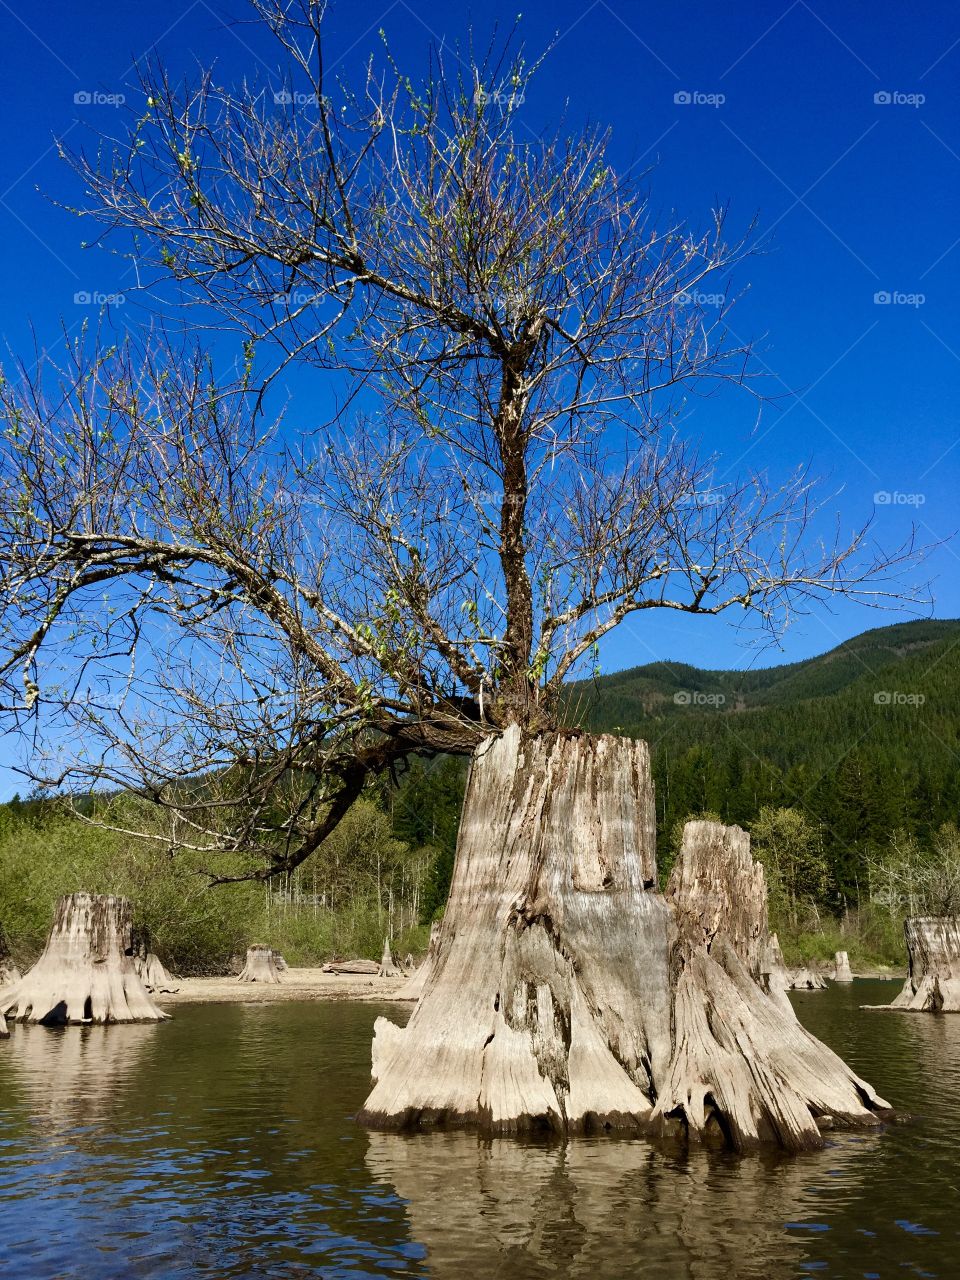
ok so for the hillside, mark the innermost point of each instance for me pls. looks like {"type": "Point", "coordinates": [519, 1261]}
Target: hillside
{"type": "Point", "coordinates": [865, 738]}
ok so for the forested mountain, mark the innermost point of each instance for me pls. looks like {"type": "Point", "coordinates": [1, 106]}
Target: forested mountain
{"type": "Point", "coordinates": [864, 739]}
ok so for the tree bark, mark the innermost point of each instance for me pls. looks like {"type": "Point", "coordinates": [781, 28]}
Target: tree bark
{"type": "Point", "coordinates": [261, 965]}
{"type": "Point", "coordinates": [86, 972]}
{"type": "Point", "coordinates": [933, 949]}
{"type": "Point", "coordinates": [842, 972]}
{"type": "Point", "coordinates": [567, 993]}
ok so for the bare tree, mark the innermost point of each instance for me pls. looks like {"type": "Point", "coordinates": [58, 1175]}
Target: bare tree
{"type": "Point", "coordinates": [262, 618]}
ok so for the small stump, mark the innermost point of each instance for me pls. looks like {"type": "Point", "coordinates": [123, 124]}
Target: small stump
{"type": "Point", "coordinates": [153, 975]}
{"type": "Point", "coordinates": [86, 972]}
{"type": "Point", "coordinates": [261, 965]}
{"type": "Point", "coordinates": [387, 967]}
{"type": "Point", "coordinates": [841, 971]}
{"type": "Point", "coordinates": [933, 949]}
{"type": "Point", "coordinates": [807, 980]}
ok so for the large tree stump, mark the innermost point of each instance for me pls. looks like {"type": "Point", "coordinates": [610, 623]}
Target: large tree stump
{"type": "Point", "coordinates": [86, 972]}
{"type": "Point", "coordinates": [413, 988]}
{"type": "Point", "coordinates": [568, 993]}
{"type": "Point", "coordinates": [841, 967]}
{"type": "Point", "coordinates": [261, 965]}
{"type": "Point", "coordinates": [547, 1004]}
{"type": "Point", "coordinates": [742, 1067]}
{"type": "Point", "coordinates": [933, 950]}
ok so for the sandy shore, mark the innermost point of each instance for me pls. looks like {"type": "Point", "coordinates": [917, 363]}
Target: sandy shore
{"type": "Point", "coordinates": [297, 984]}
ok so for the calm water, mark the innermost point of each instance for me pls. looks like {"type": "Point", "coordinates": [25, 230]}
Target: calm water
{"type": "Point", "coordinates": [221, 1144]}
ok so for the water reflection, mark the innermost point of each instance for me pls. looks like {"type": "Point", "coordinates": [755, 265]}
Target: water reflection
{"type": "Point", "coordinates": [591, 1209]}
{"type": "Point", "coordinates": [222, 1143]}
{"type": "Point", "coordinates": [70, 1076]}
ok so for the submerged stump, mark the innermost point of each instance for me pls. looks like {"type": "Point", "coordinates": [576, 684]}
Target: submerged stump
{"type": "Point", "coordinates": [261, 965]}
{"type": "Point", "coordinates": [567, 993]}
{"type": "Point", "coordinates": [86, 972]}
{"type": "Point", "coordinates": [841, 967]}
{"type": "Point", "coordinates": [933, 950]}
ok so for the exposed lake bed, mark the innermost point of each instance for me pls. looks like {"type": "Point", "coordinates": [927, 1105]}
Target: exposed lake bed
{"type": "Point", "coordinates": [223, 1143]}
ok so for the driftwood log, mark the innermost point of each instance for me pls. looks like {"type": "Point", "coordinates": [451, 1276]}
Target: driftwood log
{"type": "Point", "coordinates": [387, 967]}
{"type": "Point", "coordinates": [413, 988]}
{"type": "Point", "coordinates": [841, 967]}
{"type": "Point", "coordinates": [261, 965]}
{"type": "Point", "coordinates": [369, 967]}
{"type": "Point", "coordinates": [933, 951]}
{"type": "Point", "coordinates": [86, 972]}
{"type": "Point", "coordinates": [567, 993]}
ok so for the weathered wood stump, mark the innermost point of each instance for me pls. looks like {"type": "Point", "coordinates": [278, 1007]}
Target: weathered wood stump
{"type": "Point", "coordinates": [568, 993]}
{"type": "Point", "coordinates": [369, 967]}
{"type": "Point", "coordinates": [86, 972]}
{"type": "Point", "coordinates": [743, 1068]}
{"type": "Point", "coordinates": [933, 951]}
{"type": "Point", "coordinates": [413, 988]}
{"type": "Point", "coordinates": [153, 975]}
{"type": "Point", "coordinates": [807, 980]}
{"type": "Point", "coordinates": [841, 967]}
{"type": "Point", "coordinates": [261, 965]}
{"type": "Point", "coordinates": [774, 977]}
{"type": "Point", "coordinates": [387, 967]}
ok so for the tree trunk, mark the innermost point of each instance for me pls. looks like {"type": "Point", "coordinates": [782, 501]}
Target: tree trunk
{"type": "Point", "coordinates": [261, 965]}
{"type": "Point", "coordinates": [387, 968]}
{"type": "Point", "coordinates": [933, 949]}
{"type": "Point", "coordinates": [568, 993]}
{"type": "Point", "coordinates": [153, 975]}
{"type": "Point", "coordinates": [841, 972]}
{"type": "Point", "coordinates": [86, 972]}
{"type": "Point", "coordinates": [414, 987]}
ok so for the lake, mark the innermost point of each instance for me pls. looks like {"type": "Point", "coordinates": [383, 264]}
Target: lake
{"type": "Point", "coordinates": [222, 1144]}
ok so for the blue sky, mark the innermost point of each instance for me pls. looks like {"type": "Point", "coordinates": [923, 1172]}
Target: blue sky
{"type": "Point", "coordinates": [835, 126]}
